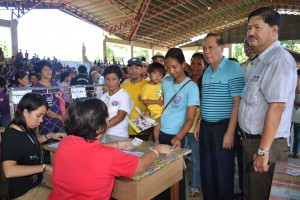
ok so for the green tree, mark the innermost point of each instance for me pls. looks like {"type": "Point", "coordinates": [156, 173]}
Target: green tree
{"type": "Point", "coordinates": [4, 47]}
{"type": "Point", "coordinates": [238, 53]}
{"type": "Point", "coordinates": [293, 45]}
{"type": "Point", "coordinates": [112, 51]}
{"type": "Point", "coordinates": [141, 52]}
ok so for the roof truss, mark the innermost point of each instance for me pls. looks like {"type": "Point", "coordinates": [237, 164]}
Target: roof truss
{"type": "Point", "coordinates": [168, 22]}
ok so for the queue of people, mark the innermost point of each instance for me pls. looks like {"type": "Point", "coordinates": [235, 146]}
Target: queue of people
{"type": "Point", "coordinates": [205, 109]}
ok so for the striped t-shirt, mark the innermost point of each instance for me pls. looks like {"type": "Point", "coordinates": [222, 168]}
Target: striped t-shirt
{"type": "Point", "coordinates": [219, 88]}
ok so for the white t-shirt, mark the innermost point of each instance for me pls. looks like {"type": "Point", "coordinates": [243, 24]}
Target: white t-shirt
{"type": "Point", "coordinates": [119, 101]}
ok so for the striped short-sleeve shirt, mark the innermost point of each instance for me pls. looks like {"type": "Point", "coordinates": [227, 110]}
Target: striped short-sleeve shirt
{"type": "Point", "coordinates": [219, 88]}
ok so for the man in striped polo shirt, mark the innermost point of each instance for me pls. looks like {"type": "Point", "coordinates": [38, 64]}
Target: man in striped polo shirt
{"type": "Point", "coordinates": [222, 85]}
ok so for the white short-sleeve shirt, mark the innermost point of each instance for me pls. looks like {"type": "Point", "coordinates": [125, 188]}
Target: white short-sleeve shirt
{"type": "Point", "coordinates": [118, 101]}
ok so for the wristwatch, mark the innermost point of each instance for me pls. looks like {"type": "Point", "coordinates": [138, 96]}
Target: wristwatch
{"type": "Point", "coordinates": [262, 152]}
{"type": "Point", "coordinates": [44, 167]}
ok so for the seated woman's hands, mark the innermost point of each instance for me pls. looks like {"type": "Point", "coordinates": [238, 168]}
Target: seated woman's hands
{"type": "Point", "coordinates": [163, 149]}
{"type": "Point", "coordinates": [123, 145]}
{"type": "Point", "coordinates": [56, 136]}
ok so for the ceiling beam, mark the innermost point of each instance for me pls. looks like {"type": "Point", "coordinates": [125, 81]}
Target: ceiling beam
{"type": "Point", "coordinates": [211, 25]}
{"type": "Point", "coordinates": [207, 26]}
{"type": "Point", "coordinates": [152, 12]}
{"type": "Point", "coordinates": [120, 7]}
{"type": "Point", "coordinates": [182, 19]}
{"type": "Point", "coordinates": [139, 17]}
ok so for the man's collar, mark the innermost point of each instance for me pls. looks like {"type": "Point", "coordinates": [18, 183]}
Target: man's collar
{"type": "Point", "coordinates": [263, 55]}
{"type": "Point", "coordinates": [221, 65]}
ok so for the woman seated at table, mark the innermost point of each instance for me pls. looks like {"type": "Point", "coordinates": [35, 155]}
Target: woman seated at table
{"type": "Point", "coordinates": [118, 102]}
{"type": "Point", "coordinates": [21, 150]}
{"type": "Point", "coordinates": [83, 167]}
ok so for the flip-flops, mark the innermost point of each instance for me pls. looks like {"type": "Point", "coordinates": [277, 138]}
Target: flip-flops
{"type": "Point", "coordinates": [194, 192]}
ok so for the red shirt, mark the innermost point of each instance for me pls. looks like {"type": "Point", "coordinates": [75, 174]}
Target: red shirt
{"type": "Point", "coordinates": [84, 170]}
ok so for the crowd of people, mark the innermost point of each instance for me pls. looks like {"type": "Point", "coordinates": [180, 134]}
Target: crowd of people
{"type": "Point", "coordinates": [215, 106]}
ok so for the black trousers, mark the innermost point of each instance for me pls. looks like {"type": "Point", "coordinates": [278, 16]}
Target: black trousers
{"type": "Point", "coordinates": [216, 164]}
{"type": "Point", "coordinates": [239, 153]}
{"type": "Point", "coordinates": [165, 195]}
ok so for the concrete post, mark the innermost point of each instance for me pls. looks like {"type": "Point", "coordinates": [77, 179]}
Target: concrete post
{"type": "Point", "coordinates": [131, 50]}
{"type": "Point", "coordinates": [14, 36]}
{"type": "Point", "coordinates": [104, 49]}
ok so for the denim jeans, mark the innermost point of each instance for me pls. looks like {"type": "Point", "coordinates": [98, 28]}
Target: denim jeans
{"type": "Point", "coordinates": [296, 147]}
{"type": "Point", "coordinates": [194, 145]}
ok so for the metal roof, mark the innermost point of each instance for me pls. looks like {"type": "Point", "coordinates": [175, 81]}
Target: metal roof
{"type": "Point", "coordinates": [163, 22]}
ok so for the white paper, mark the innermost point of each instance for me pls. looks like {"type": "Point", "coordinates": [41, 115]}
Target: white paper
{"type": "Point", "coordinates": [17, 95]}
{"type": "Point", "coordinates": [78, 92]}
{"type": "Point", "coordinates": [134, 143]}
{"type": "Point", "coordinates": [54, 145]}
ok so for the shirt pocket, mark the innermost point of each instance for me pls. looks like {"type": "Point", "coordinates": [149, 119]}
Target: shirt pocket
{"type": "Point", "coordinates": [251, 93]}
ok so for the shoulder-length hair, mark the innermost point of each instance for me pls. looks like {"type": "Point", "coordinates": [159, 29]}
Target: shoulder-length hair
{"type": "Point", "coordinates": [30, 102]}
{"type": "Point", "coordinates": [85, 116]}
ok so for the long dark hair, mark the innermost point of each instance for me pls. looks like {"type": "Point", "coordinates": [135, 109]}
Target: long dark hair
{"type": "Point", "coordinates": [85, 116]}
{"type": "Point", "coordinates": [30, 102]}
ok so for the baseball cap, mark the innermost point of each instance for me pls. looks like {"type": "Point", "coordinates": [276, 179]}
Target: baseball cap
{"type": "Point", "coordinates": [136, 61]}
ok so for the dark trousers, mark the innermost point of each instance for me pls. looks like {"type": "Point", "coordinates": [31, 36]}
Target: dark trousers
{"type": "Point", "coordinates": [216, 163]}
{"type": "Point", "coordinates": [257, 185]}
{"type": "Point", "coordinates": [165, 195]}
{"type": "Point", "coordinates": [239, 154]}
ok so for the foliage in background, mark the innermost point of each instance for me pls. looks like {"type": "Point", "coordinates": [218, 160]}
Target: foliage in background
{"type": "Point", "coordinates": [293, 45]}
{"type": "Point", "coordinates": [141, 52]}
{"type": "Point", "coordinates": [112, 50]}
{"type": "Point", "coordinates": [4, 47]}
{"type": "Point", "coordinates": [238, 53]}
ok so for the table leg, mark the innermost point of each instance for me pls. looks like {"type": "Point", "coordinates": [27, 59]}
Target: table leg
{"type": "Point", "coordinates": [175, 191]}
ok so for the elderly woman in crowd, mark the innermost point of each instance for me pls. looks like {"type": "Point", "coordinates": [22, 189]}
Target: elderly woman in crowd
{"type": "Point", "coordinates": [21, 156]}
{"type": "Point", "coordinates": [97, 164]}
{"type": "Point", "coordinates": [53, 119]}
{"type": "Point", "coordinates": [98, 89]}
{"type": "Point", "coordinates": [118, 102]}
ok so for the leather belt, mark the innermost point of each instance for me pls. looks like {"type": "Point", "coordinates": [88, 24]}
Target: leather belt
{"type": "Point", "coordinates": [224, 121]}
{"type": "Point", "coordinates": [245, 135]}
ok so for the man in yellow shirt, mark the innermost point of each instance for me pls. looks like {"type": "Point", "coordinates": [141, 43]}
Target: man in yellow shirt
{"type": "Point", "coordinates": [134, 88]}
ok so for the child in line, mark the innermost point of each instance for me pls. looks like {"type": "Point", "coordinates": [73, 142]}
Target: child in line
{"type": "Point", "coordinates": [152, 95]}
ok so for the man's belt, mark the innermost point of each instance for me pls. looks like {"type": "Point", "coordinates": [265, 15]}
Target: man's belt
{"type": "Point", "coordinates": [224, 121]}
{"type": "Point", "coordinates": [246, 135]}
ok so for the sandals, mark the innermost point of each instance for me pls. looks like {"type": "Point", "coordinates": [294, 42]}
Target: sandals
{"type": "Point", "coordinates": [194, 192]}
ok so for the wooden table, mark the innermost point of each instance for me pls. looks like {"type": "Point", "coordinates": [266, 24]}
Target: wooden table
{"type": "Point", "coordinates": [146, 185]}
{"type": "Point", "coordinates": [286, 180]}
